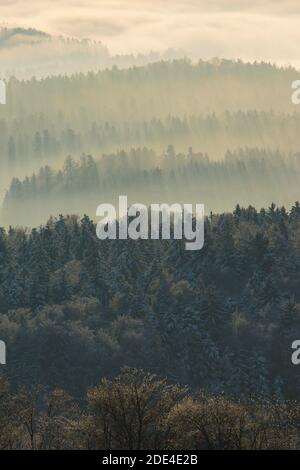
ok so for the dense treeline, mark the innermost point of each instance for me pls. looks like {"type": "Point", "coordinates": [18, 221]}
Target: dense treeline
{"type": "Point", "coordinates": [137, 410]}
{"type": "Point", "coordinates": [178, 102]}
{"type": "Point", "coordinates": [38, 141]}
{"type": "Point", "coordinates": [156, 90]}
{"type": "Point", "coordinates": [74, 309]}
{"type": "Point", "coordinates": [250, 175]}
{"type": "Point", "coordinates": [214, 107]}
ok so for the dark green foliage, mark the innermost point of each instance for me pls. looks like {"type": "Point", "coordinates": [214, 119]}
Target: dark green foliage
{"type": "Point", "coordinates": [74, 308]}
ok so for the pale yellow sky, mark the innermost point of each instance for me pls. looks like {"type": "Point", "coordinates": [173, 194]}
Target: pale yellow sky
{"type": "Point", "coordinates": [256, 29]}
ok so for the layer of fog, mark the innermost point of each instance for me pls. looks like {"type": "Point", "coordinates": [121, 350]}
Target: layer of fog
{"type": "Point", "coordinates": [256, 30]}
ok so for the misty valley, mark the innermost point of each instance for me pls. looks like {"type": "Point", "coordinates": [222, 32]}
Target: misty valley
{"type": "Point", "coordinates": [70, 143]}
{"type": "Point", "coordinates": [137, 341]}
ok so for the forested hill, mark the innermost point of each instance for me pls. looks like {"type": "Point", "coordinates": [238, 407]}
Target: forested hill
{"type": "Point", "coordinates": [74, 309]}
{"type": "Point", "coordinates": [28, 52]}
{"type": "Point", "coordinates": [215, 108]}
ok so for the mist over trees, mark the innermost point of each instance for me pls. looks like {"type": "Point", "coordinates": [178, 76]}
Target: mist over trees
{"type": "Point", "coordinates": [250, 176]}
{"type": "Point", "coordinates": [28, 52]}
{"type": "Point", "coordinates": [202, 339]}
{"type": "Point", "coordinates": [136, 117]}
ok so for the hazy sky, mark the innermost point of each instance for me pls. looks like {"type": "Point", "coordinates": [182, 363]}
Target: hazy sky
{"type": "Point", "coordinates": [256, 29]}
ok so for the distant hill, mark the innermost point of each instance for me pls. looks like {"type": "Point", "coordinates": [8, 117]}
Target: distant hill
{"type": "Point", "coordinates": [12, 37]}
{"type": "Point", "coordinates": [28, 52]}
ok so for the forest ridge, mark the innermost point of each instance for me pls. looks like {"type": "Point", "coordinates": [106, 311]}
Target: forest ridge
{"type": "Point", "coordinates": [142, 114]}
